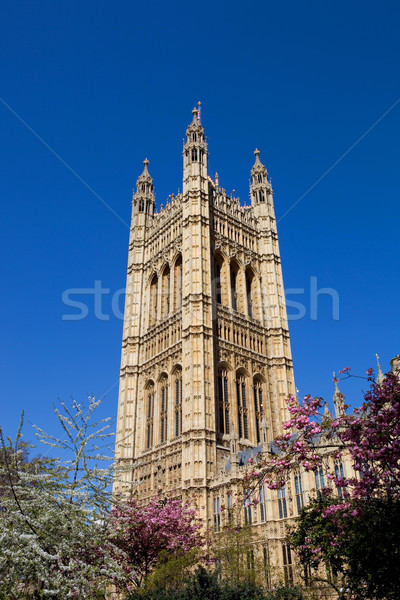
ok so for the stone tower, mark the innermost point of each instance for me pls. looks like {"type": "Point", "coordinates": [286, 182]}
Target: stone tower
{"type": "Point", "coordinates": [206, 363]}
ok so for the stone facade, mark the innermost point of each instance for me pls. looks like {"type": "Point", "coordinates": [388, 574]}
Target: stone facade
{"type": "Point", "coordinates": [206, 363]}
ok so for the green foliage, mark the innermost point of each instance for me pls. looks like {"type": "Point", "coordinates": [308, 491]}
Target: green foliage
{"type": "Point", "coordinates": [206, 585]}
{"type": "Point", "coordinates": [173, 569]}
{"type": "Point", "coordinates": [360, 546]}
{"type": "Point", "coordinates": [234, 549]}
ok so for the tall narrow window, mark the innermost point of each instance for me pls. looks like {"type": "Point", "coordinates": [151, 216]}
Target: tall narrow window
{"type": "Point", "coordinates": [287, 564]}
{"type": "Point", "coordinates": [267, 569]}
{"type": "Point", "coordinates": [282, 506]}
{"type": "Point", "coordinates": [339, 474]}
{"type": "Point", "coordinates": [141, 205]}
{"type": "Point", "coordinates": [217, 514]}
{"type": "Point", "coordinates": [164, 410]}
{"type": "Point", "coordinates": [178, 402]}
{"type": "Point", "coordinates": [249, 298]}
{"type": "Point", "coordinates": [178, 282]}
{"type": "Point", "coordinates": [149, 396]}
{"type": "Point", "coordinates": [233, 288]}
{"type": "Point", "coordinates": [229, 506]}
{"type": "Point", "coordinates": [153, 300]}
{"type": "Point", "coordinates": [194, 155]}
{"type": "Point", "coordinates": [263, 505]}
{"type": "Point", "coordinates": [242, 406]}
{"type": "Point", "coordinates": [258, 406]}
{"type": "Point", "coordinates": [218, 295]}
{"type": "Point", "coordinates": [223, 401]}
{"type": "Point", "coordinates": [298, 487]}
{"type": "Point", "coordinates": [247, 510]}
{"type": "Point", "coordinates": [319, 480]}
{"type": "Point", "coordinates": [166, 286]}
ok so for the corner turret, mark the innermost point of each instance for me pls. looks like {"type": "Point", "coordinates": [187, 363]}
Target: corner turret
{"type": "Point", "coordinates": [143, 201]}
{"type": "Point", "coordinates": [195, 156]}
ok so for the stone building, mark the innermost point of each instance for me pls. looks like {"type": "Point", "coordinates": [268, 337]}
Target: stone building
{"type": "Point", "coordinates": [206, 362]}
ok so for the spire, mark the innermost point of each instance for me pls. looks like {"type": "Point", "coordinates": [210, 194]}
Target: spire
{"type": "Point", "coordinates": [327, 412]}
{"type": "Point", "coordinates": [380, 378]}
{"type": "Point", "coordinates": [144, 199]}
{"type": "Point", "coordinates": [257, 155]}
{"type": "Point", "coordinates": [338, 399]}
{"type": "Point", "coordinates": [258, 167]}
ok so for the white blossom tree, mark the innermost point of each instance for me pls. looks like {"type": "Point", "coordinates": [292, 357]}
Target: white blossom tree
{"type": "Point", "coordinates": [54, 513]}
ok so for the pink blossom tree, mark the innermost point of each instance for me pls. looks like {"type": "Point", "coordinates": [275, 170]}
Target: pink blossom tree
{"type": "Point", "coordinates": [143, 533]}
{"type": "Point", "coordinates": [345, 532]}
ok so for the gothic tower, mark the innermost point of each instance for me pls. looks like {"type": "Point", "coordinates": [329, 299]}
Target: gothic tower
{"type": "Point", "coordinates": [206, 363]}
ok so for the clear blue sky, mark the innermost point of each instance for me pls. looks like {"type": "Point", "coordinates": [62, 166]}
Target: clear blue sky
{"type": "Point", "coordinates": [107, 84]}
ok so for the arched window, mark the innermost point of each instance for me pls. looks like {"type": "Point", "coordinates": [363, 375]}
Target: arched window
{"type": "Point", "coordinates": [153, 300]}
{"type": "Point", "coordinates": [194, 137]}
{"type": "Point", "coordinates": [262, 196]}
{"type": "Point", "coordinates": [149, 398]}
{"type": "Point", "coordinates": [258, 406]}
{"type": "Point", "coordinates": [223, 401]}
{"type": "Point", "coordinates": [178, 281]}
{"type": "Point", "coordinates": [164, 410]}
{"type": "Point", "coordinates": [166, 287]}
{"type": "Point", "coordinates": [242, 406]}
{"type": "Point", "coordinates": [194, 154]}
{"type": "Point", "coordinates": [178, 402]}
{"type": "Point", "coordinates": [260, 178]}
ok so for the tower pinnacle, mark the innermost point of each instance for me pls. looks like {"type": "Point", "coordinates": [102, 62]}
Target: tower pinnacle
{"type": "Point", "coordinates": [260, 187]}
{"type": "Point", "coordinates": [195, 154]}
{"type": "Point", "coordinates": [143, 198]}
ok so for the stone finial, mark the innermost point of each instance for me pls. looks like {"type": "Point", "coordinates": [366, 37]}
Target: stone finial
{"type": "Point", "coordinates": [380, 378]}
{"type": "Point", "coordinates": [265, 435]}
{"type": "Point", "coordinates": [327, 412]}
{"type": "Point", "coordinates": [338, 399]}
